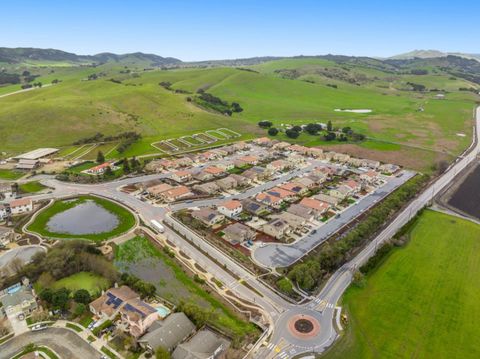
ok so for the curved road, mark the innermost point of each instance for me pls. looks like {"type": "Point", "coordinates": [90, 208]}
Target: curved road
{"type": "Point", "coordinates": [277, 310]}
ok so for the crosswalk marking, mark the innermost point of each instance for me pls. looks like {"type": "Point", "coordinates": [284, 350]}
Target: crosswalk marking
{"type": "Point", "coordinates": [322, 304]}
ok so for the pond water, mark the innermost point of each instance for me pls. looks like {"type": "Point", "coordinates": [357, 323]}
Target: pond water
{"type": "Point", "coordinates": [85, 218]}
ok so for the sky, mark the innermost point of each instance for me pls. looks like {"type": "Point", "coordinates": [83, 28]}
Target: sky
{"type": "Point", "coordinates": [211, 29]}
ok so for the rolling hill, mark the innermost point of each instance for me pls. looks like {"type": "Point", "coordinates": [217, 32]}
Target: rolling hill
{"type": "Point", "coordinates": [406, 126]}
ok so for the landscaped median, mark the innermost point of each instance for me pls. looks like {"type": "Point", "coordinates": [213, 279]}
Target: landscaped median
{"type": "Point", "coordinates": [83, 217]}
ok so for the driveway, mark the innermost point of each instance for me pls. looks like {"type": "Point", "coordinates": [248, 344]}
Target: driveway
{"type": "Point", "coordinates": [63, 341]}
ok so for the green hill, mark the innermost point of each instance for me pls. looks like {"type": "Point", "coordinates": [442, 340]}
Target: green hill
{"type": "Point", "coordinates": [410, 127]}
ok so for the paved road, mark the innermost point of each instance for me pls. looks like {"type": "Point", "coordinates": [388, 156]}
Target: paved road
{"type": "Point", "coordinates": [64, 342]}
{"type": "Point", "coordinates": [278, 310]}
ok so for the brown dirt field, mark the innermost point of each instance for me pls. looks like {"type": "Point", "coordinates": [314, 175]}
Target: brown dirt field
{"type": "Point", "coordinates": [413, 158]}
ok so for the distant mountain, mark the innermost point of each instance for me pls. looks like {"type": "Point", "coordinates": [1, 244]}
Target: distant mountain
{"type": "Point", "coordinates": [34, 55]}
{"type": "Point", "coordinates": [428, 54]}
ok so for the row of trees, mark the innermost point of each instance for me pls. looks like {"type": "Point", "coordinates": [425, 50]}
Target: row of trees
{"type": "Point", "coordinates": [333, 254]}
{"type": "Point", "coordinates": [215, 103]}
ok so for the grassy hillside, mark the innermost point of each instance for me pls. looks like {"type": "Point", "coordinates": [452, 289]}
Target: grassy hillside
{"type": "Point", "coordinates": [423, 300]}
{"type": "Point", "coordinates": [286, 91]}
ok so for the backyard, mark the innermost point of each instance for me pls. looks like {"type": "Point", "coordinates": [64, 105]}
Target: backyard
{"type": "Point", "coordinates": [419, 300]}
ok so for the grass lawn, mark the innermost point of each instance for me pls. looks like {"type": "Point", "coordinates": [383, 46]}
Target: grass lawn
{"type": "Point", "coordinates": [139, 249]}
{"type": "Point", "coordinates": [31, 187]}
{"type": "Point", "coordinates": [10, 175]}
{"type": "Point", "coordinates": [422, 302]}
{"type": "Point", "coordinates": [83, 280]}
{"type": "Point", "coordinates": [126, 219]}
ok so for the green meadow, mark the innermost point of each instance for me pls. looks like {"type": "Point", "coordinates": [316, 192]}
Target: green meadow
{"type": "Point", "coordinates": [422, 301]}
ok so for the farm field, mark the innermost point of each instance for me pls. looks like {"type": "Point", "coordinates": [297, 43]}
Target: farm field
{"type": "Point", "coordinates": [140, 258]}
{"type": "Point", "coordinates": [422, 301]}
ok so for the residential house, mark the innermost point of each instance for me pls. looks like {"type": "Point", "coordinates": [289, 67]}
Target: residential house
{"type": "Point", "coordinates": [254, 207]}
{"type": "Point", "coordinates": [295, 187]}
{"type": "Point", "coordinates": [98, 170]}
{"type": "Point", "coordinates": [226, 165]}
{"type": "Point", "coordinates": [220, 152]}
{"type": "Point", "coordinates": [17, 300]}
{"type": "Point", "coordinates": [7, 191]}
{"type": "Point", "coordinates": [176, 194]}
{"type": "Point", "coordinates": [215, 171]}
{"type": "Point", "coordinates": [298, 149]}
{"type": "Point", "coordinates": [269, 200]}
{"type": "Point", "coordinates": [167, 333]}
{"type": "Point", "coordinates": [22, 205]}
{"type": "Point", "coordinates": [3, 211]}
{"type": "Point", "coordinates": [240, 146]}
{"type": "Point", "coordinates": [181, 176]}
{"type": "Point", "coordinates": [157, 190]}
{"type": "Point", "coordinates": [331, 200]}
{"type": "Point", "coordinates": [183, 162]}
{"type": "Point", "coordinates": [241, 180]}
{"type": "Point", "coordinates": [247, 160]}
{"type": "Point", "coordinates": [372, 164]}
{"type": "Point", "coordinates": [277, 228]}
{"type": "Point", "coordinates": [319, 206]}
{"type": "Point", "coordinates": [278, 165]}
{"type": "Point", "coordinates": [205, 344]}
{"type": "Point", "coordinates": [369, 176]}
{"type": "Point", "coordinates": [354, 185]}
{"type": "Point", "coordinates": [207, 156]}
{"type": "Point", "coordinates": [329, 156]}
{"type": "Point", "coordinates": [263, 141]}
{"type": "Point", "coordinates": [341, 157]}
{"type": "Point", "coordinates": [389, 168]}
{"type": "Point", "coordinates": [108, 304]}
{"type": "Point", "coordinates": [238, 232]}
{"type": "Point", "coordinates": [301, 211]}
{"type": "Point", "coordinates": [207, 188]}
{"type": "Point", "coordinates": [315, 152]}
{"type": "Point", "coordinates": [208, 216]}
{"type": "Point", "coordinates": [306, 182]}
{"type": "Point", "coordinates": [158, 165]}
{"type": "Point", "coordinates": [341, 192]}
{"type": "Point", "coordinates": [294, 221]}
{"type": "Point", "coordinates": [296, 160]}
{"type": "Point", "coordinates": [357, 162]}
{"type": "Point", "coordinates": [137, 316]}
{"type": "Point", "coordinates": [281, 145]}
{"type": "Point", "coordinates": [282, 193]}
{"type": "Point", "coordinates": [203, 176]}
{"type": "Point", "coordinates": [6, 235]}
{"type": "Point", "coordinates": [230, 208]}
{"type": "Point", "coordinates": [227, 183]}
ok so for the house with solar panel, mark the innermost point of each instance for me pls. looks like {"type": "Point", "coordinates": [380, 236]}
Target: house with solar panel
{"type": "Point", "coordinates": [136, 315]}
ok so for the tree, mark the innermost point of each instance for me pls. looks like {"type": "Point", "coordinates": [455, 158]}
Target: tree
{"type": "Point", "coordinates": [80, 308]}
{"type": "Point", "coordinates": [272, 131]}
{"type": "Point", "coordinates": [329, 126]}
{"type": "Point", "coordinates": [108, 172]}
{"type": "Point", "coordinates": [292, 133]}
{"type": "Point", "coordinates": [162, 353]}
{"type": "Point", "coordinates": [100, 157]}
{"type": "Point", "coordinates": [330, 136]}
{"type": "Point", "coordinates": [126, 166]}
{"type": "Point", "coordinates": [297, 128]}
{"type": "Point", "coordinates": [82, 296]}
{"type": "Point", "coordinates": [265, 124]}
{"type": "Point", "coordinates": [60, 298]}
{"type": "Point", "coordinates": [46, 295]}
{"type": "Point", "coordinates": [134, 164]}
{"type": "Point", "coordinates": [313, 128]}
{"type": "Point", "coordinates": [347, 130]}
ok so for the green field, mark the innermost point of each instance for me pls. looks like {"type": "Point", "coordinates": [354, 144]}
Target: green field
{"type": "Point", "coordinates": [31, 187]}
{"type": "Point", "coordinates": [422, 302]}
{"type": "Point", "coordinates": [83, 280]}
{"type": "Point", "coordinates": [175, 284]}
{"type": "Point", "coordinates": [10, 175]}
{"type": "Point", "coordinates": [76, 108]}
{"type": "Point", "coordinates": [126, 219]}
